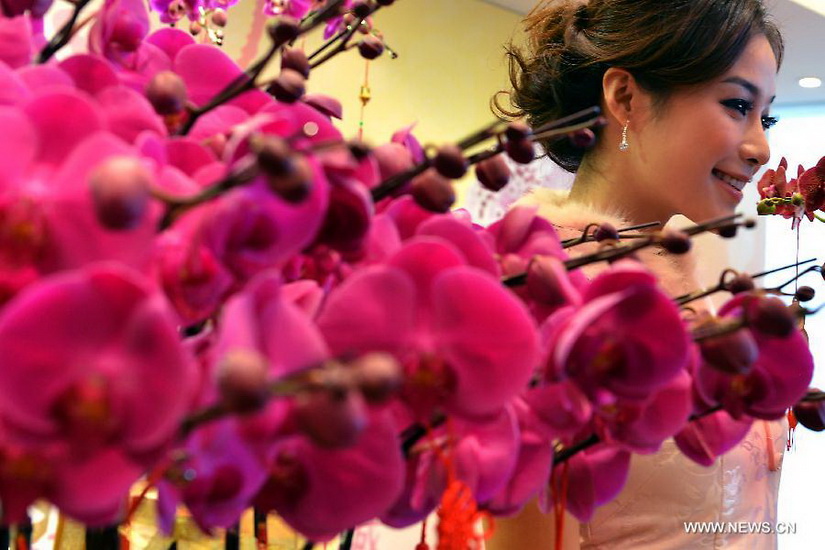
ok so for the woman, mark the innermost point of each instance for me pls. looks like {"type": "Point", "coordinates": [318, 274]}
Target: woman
{"type": "Point", "coordinates": [686, 87]}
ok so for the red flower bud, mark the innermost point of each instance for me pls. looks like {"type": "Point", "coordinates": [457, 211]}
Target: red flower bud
{"type": "Point", "coordinates": [295, 59]}
{"type": "Point", "coordinates": [370, 47]}
{"type": "Point", "coordinates": [811, 414]}
{"type": "Point", "coordinates": [378, 375]}
{"type": "Point", "coordinates": [520, 150]}
{"type": "Point", "coordinates": [771, 316]}
{"type": "Point", "coordinates": [242, 377]}
{"type": "Point", "coordinates": [120, 192]}
{"type": "Point", "coordinates": [433, 191]}
{"type": "Point", "coordinates": [450, 162]}
{"type": "Point", "coordinates": [493, 173]}
{"type": "Point", "coordinates": [733, 352]}
{"type": "Point", "coordinates": [675, 242]}
{"type": "Point", "coordinates": [288, 87]}
{"type": "Point", "coordinates": [284, 29]}
{"type": "Point", "coordinates": [606, 232]}
{"type": "Point", "coordinates": [219, 18]}
{"type": "Point", "coordinates": [167, 93]}
{"type": "Point", "coordinates": [331, 419]}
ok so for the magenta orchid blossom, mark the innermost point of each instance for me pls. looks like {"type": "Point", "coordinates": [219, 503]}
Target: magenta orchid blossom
{"type": "Point", "coordinates": [205, 285]}
{"type": "Point", "coordinates": [422, 312]}
{"type": "Point", "coordinates": [81, 386]}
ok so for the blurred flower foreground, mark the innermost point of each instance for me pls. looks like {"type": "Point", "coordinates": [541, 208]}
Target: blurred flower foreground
{"type": "Point", "coordinates": [206, 287]}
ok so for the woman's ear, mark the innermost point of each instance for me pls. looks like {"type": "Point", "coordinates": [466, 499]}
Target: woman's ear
{"type": "Point", "coordinates": [620, 91]}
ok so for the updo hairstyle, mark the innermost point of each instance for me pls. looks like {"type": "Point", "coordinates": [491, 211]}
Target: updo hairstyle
{"type": "Point", "coordinates": [665, 44]}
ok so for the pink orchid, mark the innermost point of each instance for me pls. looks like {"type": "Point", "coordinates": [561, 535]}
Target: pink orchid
{"type": "Point", "coordinates": [777, 379]}
{"type": "Point", "coordinates": [467, 354]}
{"type": "Point", "coordinates": [642, 426]}
{"type": "Point", "coordinates": [533, 465]}
{"type": "Point", "coordinates": [321, 492]}
{"type": "Point", "coordinates": [226, 463]}
{"type": "Point", "coordinates": [292, 8]}
{"type": "Point", "coordinates": [627, 337]}
{"type": "Point", "coordinates": [16, 41]}
{"type": "Point", "coordinates": [119, 30]}
{"type": "Point", "coordinates": [217, 477]}
{"type": "Point", "coordinates": [83, 386]}
{"type": "Point", "coordinates": [525, 242]}
{"type": "Point", "coordinates": [482, 455]}
{"type": "Point", "coordinates": [595, 477]}
{"type": "Point", "coordinates": [707, 438]}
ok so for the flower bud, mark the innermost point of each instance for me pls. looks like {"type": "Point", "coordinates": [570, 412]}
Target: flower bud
{"type": "Point", "coordinates": [127, 33]}
{"type": "Point", "coordinates": [433, 191]}
{"type": "Point", "coordinates": [493, 173]}
{"type": "Point", "coordinates": [120, 189]}
{"type": "Point", "coordinates": [284, 29]}
{"type": "Point", "coordinates": [797, 199]}
{"type": "Point", "coordinates": [242, 378]}
{"type": "Point", "coordinates": [605, 232]}
{"type": "Point", "coordinates": [804, 294]}
{"type": "Point", "coordinates": [167, 93]}
{"type": "Point", "coordinates": [765, 207]}
{"type": "Point", "coordinates": [195, 28]}
{"type": "Point", "coordinates": [295, 59]}
{"type": "Point", "coordinates": [547, 281]}
{"type": "Point", "coordinates": [274, 154]}
{"type": "Point", "coordinates": [771, 316]}
{"type": "Point", "coordinates": [811, 414]}
{"type": "Point", "coordinates": [176, 9]}
{"type": "Point", "coordinates": [331, 419]}
{"type": "Point", "coordinates": [384, 2]}
{"type": "Point", "coordinates": [742, 282]}
{"type": "Point", "coordinates": [520, 150]}
{"type": "Point", "coordinates": [288, 87]}
{"type": "Point", "coordinates": [378, 375]}
{"type": "Point", "coordinates": [584, 138]}
{"type": "Point", "coordinates": [728, 231]}
{"type": "Point", "coordinates": [732, 352]}
{"type": "Point", "coordinates": [517, 131]}
{"type": "Point", "coordinates": [450, 162]}
{"type": "Point", "coordinates": [360, 9]}
{"type": "Point", "coordinates": [219, 18]}
{"type": "Point", "coordinates": [370, 47]}
{"type": "Point", "coordinates": [295, 183]}
{"type": "Point", "coordinates": [675, 241]}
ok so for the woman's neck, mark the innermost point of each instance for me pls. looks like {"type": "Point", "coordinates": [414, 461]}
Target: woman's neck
{"type": "Point", "coordinates": [607, 187]}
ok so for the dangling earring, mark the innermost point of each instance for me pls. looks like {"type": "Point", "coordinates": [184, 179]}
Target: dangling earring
{"type": "Point", "coordinates": [624, 145]}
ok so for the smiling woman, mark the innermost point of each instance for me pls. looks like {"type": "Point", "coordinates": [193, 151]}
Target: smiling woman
{"type": "Point", "coordinates": [686, 89]}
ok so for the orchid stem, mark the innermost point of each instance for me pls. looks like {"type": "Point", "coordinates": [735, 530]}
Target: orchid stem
{"type": "Point", "coordinates": [342, 46]}
{"type": "Point", "coordinates": [346, 540]}
{"type": "Point", "coordinates": [102, 538]}
{"type": "Point", "coordinates": [175, 206]}
{"type": "Point", "coordinates": [327, 44]}
{"type": "Point", "coordinates": [63, 35]}
{"type": "Point", "coordinates": [586, 236]}
{"type": "Point", "coordinates": [246, 80]}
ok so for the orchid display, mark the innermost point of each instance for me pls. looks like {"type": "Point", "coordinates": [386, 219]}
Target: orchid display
{"type": "Point", "coordinates": [205, 286]}
{"type": "Point", "coordinates": [801, 197]}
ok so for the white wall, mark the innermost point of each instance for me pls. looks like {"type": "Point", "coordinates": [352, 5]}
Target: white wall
{"type": "Point", "coordinates": [798, 136]}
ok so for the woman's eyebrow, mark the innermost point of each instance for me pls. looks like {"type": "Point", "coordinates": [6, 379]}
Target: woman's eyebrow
{"type": "Point", "coordinates": [748, 85]}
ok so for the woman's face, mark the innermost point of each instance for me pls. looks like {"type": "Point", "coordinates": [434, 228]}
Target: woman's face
{"type": "Point", "coordinates": [696, 152]}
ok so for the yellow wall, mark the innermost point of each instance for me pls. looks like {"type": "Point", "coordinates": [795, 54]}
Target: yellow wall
{"type": "Point", "coordinates": [451, 61]}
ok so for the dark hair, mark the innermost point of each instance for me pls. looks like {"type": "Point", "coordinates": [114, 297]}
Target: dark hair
{"type": "Point", "coordinates": [664, 44]}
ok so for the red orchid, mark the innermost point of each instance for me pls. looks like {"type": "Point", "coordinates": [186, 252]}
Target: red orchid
{"type": "Point", "coordinates": [82, 386]}
{"type": "Point", "coordinates": [627, 337]}
{"type": "Point", "coordinates": [468, 355]}
{"type": "Point", "coordinates": [775, 381]}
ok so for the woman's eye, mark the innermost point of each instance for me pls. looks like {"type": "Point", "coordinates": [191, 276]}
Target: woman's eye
{"type": "Point", "coordinates": [769, 122]}
{"type": "Point", "coordinates": [741, 105]}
